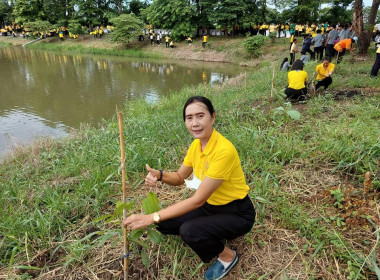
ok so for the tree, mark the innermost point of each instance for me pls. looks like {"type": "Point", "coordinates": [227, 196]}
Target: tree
{"type": "Point", "coordinates": [175, 15]}
{"type": "Point", "coordinates": [135, 6]}
{"type": "Point", "coordinates": [39, 26]}
{"type": "Point", "coordinates": [28, 11]}
{"type": "Point", "coordinates": [5, 12]}
{"type": "Point", "coordinates": [127, 28]}
{"type": "Point", "coordinates": [373, 13]}
{"type": "Point", "coordinates": [364, 34]}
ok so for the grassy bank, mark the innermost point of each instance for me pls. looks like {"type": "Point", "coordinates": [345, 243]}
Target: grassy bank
{"type": "Point", "coordinates": [217, 50]}
{"type": "Point", "coordinates": [315, 219]}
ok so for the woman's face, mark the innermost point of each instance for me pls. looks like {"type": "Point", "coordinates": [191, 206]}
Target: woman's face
{"type": "Point", "coordinates": [199, 121]}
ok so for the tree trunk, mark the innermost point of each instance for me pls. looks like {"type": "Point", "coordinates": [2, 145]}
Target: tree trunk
{"type": "Point", "coordinates": [264, 10]}
{"type": "Point", "coordinates": [373, 12]}
{"type": "Point", "coordinates": [120, 6]}
{"type": "Point", "coordinates": [364, 36]}
{"type": "Point", "coordinates": [358, 28]}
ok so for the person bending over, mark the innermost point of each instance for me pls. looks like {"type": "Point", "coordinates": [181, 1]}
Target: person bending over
{"type": "Point", "coordinates": [297, 81]}
{"type": "Point", "coordinates": [220, 209]}
{"type": "Point", "coordinates": [344, 45]}
{"type": "Point", "coordinates": [324, 72]}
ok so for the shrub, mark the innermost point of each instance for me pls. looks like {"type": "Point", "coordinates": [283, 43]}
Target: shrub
{"type": "Point", "coordinates": [253, 44]}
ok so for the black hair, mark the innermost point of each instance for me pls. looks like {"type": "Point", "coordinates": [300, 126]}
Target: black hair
{"type": "Point", "coordinates": [285, 60]}
{"type": "Point", "coordinates": [327, 58]}
{"type": "Point", "coordinates": [297, 65]}
{"type": "Point", "coordinates": [201, 99]}
{"type": "Point", "coordinates": [303, 52]}
{"type": "Point", "coordinates": [319, 31]}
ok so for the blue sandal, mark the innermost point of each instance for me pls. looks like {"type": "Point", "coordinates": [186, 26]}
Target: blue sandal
{"type": "Point", "coordinates": [217, 270]}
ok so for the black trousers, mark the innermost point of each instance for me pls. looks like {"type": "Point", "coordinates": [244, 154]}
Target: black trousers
{"type": "Point", "coordinates": [340, 55]}
{"type": "Point", "coordinates": [308, 50]}
{"type": "Point", "coordinates": [325, 83]}
{"type": "Point", "coordinates": [376, 66]}
{"type": "Point", "coordinates": [204, 229]}
{"type": "Point", "coordinates": [295, 93]}
{"type": "Point", "coordinates": [330, 51]}
{"type": "Point", "coordinates": [292, 58]}
{"type": "Point", "coordinates": [318, 51]}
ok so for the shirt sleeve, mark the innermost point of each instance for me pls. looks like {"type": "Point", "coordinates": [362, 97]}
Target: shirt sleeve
{"type": "Point", "coordinates": [189, 158]}
{"type": "Point", "coordinates": [221, 165]}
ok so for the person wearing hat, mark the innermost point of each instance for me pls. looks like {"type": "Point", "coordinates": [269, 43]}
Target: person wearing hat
{"type": "Point", "coordinates": [343, 45]}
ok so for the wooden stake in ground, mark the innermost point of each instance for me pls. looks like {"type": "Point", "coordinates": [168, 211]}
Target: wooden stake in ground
{"type": "Point", "coordinates": [245, 80]}
{"type": "Point", "coordinates": [337, 56]}
{"type": "Point", "coordinates": [313, 84]}
{"type": "Point", "coordinates": [123, 178]}
{"type": "Point", "coordinates": [271, 91]}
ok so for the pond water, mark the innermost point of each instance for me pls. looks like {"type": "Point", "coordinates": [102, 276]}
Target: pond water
{"type": "Point", "coordinates": [47, 93]}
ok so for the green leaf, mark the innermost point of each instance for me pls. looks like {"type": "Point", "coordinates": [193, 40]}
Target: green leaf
{"type": "Point", "coordinates": [136, 234]}
{"type": "Point", "coordinates": [295, 115]}
{"type": "Point", "coordinates": [150, 203]}
{"type": "Point", "coordinates": [27, 267]}
{"type": "Point", "coordinates": [142, 244]}
{"type": "Point", "coordinates": [145, 258]}
{"type": "Point", "coordinates": [103, 217]}
{"type": "Point", "coordinates": [280, 109]}
{"type": "Point", "coordinates": [121, 207]}
{"type": "Point", "coordinates": [154, 236]}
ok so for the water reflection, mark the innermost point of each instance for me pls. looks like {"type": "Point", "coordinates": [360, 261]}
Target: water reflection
{"type": "Point", "coordinates": [18, 128]}
{"type": "Point", "coordinates": [51, 92]}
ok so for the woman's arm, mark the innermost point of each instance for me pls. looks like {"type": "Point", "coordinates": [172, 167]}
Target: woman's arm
{"type": "Point", "coordinates": [206, 188]}
{"type": "Point", "coordinates": [172, 178]}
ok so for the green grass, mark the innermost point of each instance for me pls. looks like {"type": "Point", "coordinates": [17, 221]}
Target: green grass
{"type": "Point", "coordinates": [80, 49]}
{"type": "Point", "coordinates": [53, 191]}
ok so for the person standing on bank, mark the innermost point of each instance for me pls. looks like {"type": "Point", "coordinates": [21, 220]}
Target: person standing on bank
{"type": "Point", "coordinates": [220, 209]}
{"type": "Point", "coordinates": [318, 45]}
{"type": "Point", "coordinates": [333, 35]}
{"type": "Point", "coordinates": [293, 51]}
{"type": "Point", "coordinates": [204, 40]}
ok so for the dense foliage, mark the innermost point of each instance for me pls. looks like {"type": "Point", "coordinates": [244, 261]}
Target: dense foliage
{"type": "Point", "coordinates": [127, 28]}
{"type": "Point", "coordinates": [233, 15]}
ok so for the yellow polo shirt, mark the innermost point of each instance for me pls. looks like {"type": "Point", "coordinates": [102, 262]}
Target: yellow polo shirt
{"type": "Point", "coordinates": [297, 79]}
{"type": "Point", "coordinates": [219, 160]}
{"type": "Point", "coordinates": [322, 71]}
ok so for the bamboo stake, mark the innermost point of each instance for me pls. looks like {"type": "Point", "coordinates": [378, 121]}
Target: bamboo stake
{"type": "Point", "coordinates": [123, 178]}
{"type": "Point", "coordinates": [337, 56]}
{"type": "Point", "coordinates": [245, 80]}
{"type": "Point", "coordinates": [271, 91]}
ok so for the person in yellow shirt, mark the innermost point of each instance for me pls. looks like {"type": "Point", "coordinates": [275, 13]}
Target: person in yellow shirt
{"type": "Point", "coordinates": [220, 208]}
{"type": "Point", "coordinates": [324, 72]}
{"type": "Point", "coordinates": [167, 41]}
{"type": "Point", "coordinates": [204, 40]}
{"type": "Point", "coordinates": [297, 81]}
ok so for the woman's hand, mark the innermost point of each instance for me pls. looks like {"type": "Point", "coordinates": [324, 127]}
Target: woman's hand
{"type": "Point", "coordinates": [152, 177]}
{"type": "Point", "coordinates": [138, 221]}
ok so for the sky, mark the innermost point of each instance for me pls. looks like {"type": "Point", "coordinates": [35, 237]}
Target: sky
{"type": "Point", "coordinates": [367, 2]}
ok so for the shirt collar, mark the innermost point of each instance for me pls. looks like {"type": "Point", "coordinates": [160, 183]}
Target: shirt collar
{"type": "Point", "coordinates": [211, 142]}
